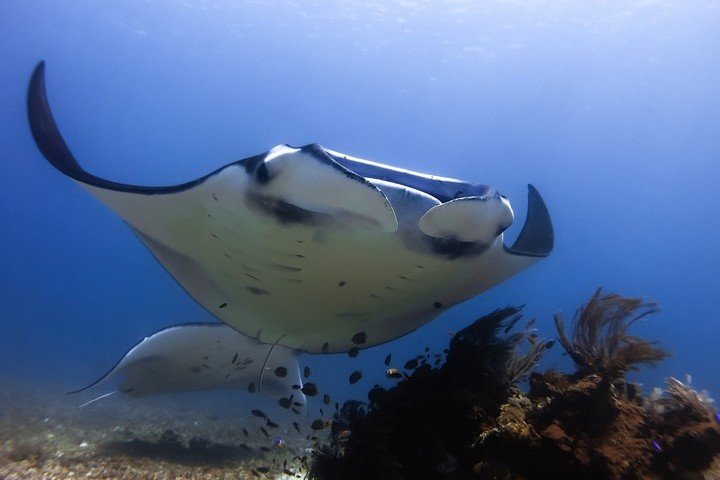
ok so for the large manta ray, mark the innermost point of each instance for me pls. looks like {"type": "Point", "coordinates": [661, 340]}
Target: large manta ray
{"type": "Point", "coordinates": [311, 249]}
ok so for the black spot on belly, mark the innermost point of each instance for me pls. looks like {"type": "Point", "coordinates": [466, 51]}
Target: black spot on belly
{"type": "Point", "coordinates": [437, 305]}
{"type": "Point", "coordinates": [287, 268]}
{"type": "Point", "coordinates": [222, 305]}
{"type": "Point", "coordinates": [252, 276]}
{"type": "Point", "coordinates": [257, 291]}
{"type": "Point", "coordinates": [215, 236]}
{"type": "Point", "coordinates": [387, 287]}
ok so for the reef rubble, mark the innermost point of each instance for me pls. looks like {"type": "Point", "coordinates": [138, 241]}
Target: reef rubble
{"type": "Point", "coordinates": [467, 418]}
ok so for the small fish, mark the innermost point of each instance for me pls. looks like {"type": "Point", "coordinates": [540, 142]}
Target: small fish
{"type": "Point", "coordinates": [321, 412]}
{"type": "Point", "coordinates": [325, 347]}
{"type": "Point", "coordinates": [353, 352]}
{"type": "Point", "coordinates": [264, 431]}
{"type": "Point", "coordinates": [297, 426]}
{"type": "Point", "coordinates": [393, 373]}
{"type": "Point", "coordinates": [296, 411]}
{"type": "Point", "coordinates": [245, 432]}
{"type": "Point", "coordinates": [326, 399]}
{"type": "Point", "coordinates": [271, 424]}
{"type": "Point", "coordinates": [530, 323]}
{"type": "Point", "coordinates": [234, 358]}
{"type": "Point", "coordinates": [263, 469]}
{"type": "Point", "coordinates": [309, 389]}
{"type": "Point", "coordinates": [285, 402]}
{"type": "Point", "coordinates": [388, 359]}
{"type": "Point", "coordinates": [306, 372]}
{"type": "Point", "coordinates": [317, 424]}
{"type": "Point", "coordinates": [355, 377]}
{"type": "Point", "coordinates": [296, 387]}
{"type": "Point", "coordinates": [258, 413]}
{"type": "Point", "coordinates": [251, 387]}
{"type": "Point", "coordinates": [359, 338]}
{"type": "Point", "coordinates": [281, 372]}
{"type": "Point", "coordinates": [656, 446]}
{"type": "Point", "coordinates": [297, 404]}
{"type": "Point", "coordinates": [411, 364]}
{"type": "Point", "coordinates": [549, 344]}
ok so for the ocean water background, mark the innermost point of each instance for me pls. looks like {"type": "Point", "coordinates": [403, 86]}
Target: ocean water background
{"type": "Point", "coordinates": [611, 109]}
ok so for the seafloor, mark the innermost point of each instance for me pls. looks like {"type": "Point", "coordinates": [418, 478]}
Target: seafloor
{"type": "Point", "coordinates": [44, 435]}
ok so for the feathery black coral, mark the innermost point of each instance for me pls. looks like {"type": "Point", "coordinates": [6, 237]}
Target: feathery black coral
{"type": "Point", "coordinates": [600, 340]}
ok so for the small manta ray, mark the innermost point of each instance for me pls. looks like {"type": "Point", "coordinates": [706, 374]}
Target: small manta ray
{"type": "Point", "coordinates": [303, 249]}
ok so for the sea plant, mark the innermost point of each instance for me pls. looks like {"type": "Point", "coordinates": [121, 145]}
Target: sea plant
{"type": "Point", "coordinates": [600, 342]}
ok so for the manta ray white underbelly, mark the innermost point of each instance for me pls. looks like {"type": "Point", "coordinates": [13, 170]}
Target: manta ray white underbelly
{"type": "Point", "coordinates": [306, 247]}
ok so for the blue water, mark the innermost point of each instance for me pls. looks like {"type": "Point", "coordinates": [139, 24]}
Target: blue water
{"type": "Point", "coordinates": [612, 109]}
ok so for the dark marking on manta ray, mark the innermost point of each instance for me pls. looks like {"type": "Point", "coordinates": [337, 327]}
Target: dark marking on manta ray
{"type": "Point", "coordinates": [388, 359]}
{"type": "Point", "coordinates": [299, 256]}
{"type": "Point", "coordinates": [325, 347]}
{"type": "Point", "coordinates": [251, 387]}
{"type": "Point", "coordinates": [281, 372]}
{"type": "Point", "coordinates": [306, 372]}
{"type": "Point", "coordinates": [387, 287]}
{"type": "Point", "coordinates": [235, 357]}
{"type": "Point", "coordinates": [215, 236]}
{"type": "Point", "coordinates": [377, 296]}
{"type": "Point", "coordinates": [271, 424]}
{"type": "Point", "coordinates": [257, 291]}
{"type": "Point", "coordinates": [437, 304]}
{"type": "Point", "coordinates": [297, 426]}
{"type": "Point", "coordinates": [264, 431]}
{"type": "Point", "coordinates": [287, 213]}
{"type": "Point", "coordinates": [298, 404]}
{"type": "Point", "coordinates": [453, 248]}
{"type": "Point", "coordinates": [253, 277]}
{"type": "Point", "coordinates": [228, 374]}
{"type": "Point", "coordinates": [222, 305]}
{"type": "Point", "coordinates": [296, 411]}
{"type": "Point", "coordinates": [258, 413]}
{"type": "Point", "coordinates": [341, 283]}
{"type": "Point", "coordinates": [215, 197]}
{"type": "Point", "coordinates": [286, 268]}
{"type": "Point", "coordinates": [210, 217]}
{"type": "Point", "coordinates": [359, 338]}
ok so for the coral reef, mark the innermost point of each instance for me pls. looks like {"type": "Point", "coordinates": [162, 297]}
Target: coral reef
{"type": "Point", "coordinates": [468, 418]}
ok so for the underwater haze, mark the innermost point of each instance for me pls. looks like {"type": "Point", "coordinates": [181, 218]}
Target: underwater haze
{"type": "Point", "coordinates": [611, 109]}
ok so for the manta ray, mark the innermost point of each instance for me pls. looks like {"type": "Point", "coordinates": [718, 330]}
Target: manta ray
{"type": "Point", "coordinates": [304, 249]}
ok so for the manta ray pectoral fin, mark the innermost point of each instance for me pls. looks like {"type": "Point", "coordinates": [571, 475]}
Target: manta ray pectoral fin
{"type": "Point", "coordinates": [202, 356]}
{"type": "Point", "coordinates": [310, 179]}
{"type": "Point", "coordinates": [468, 219]}
{"type": "Point", "coordinates": [536, 238]}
